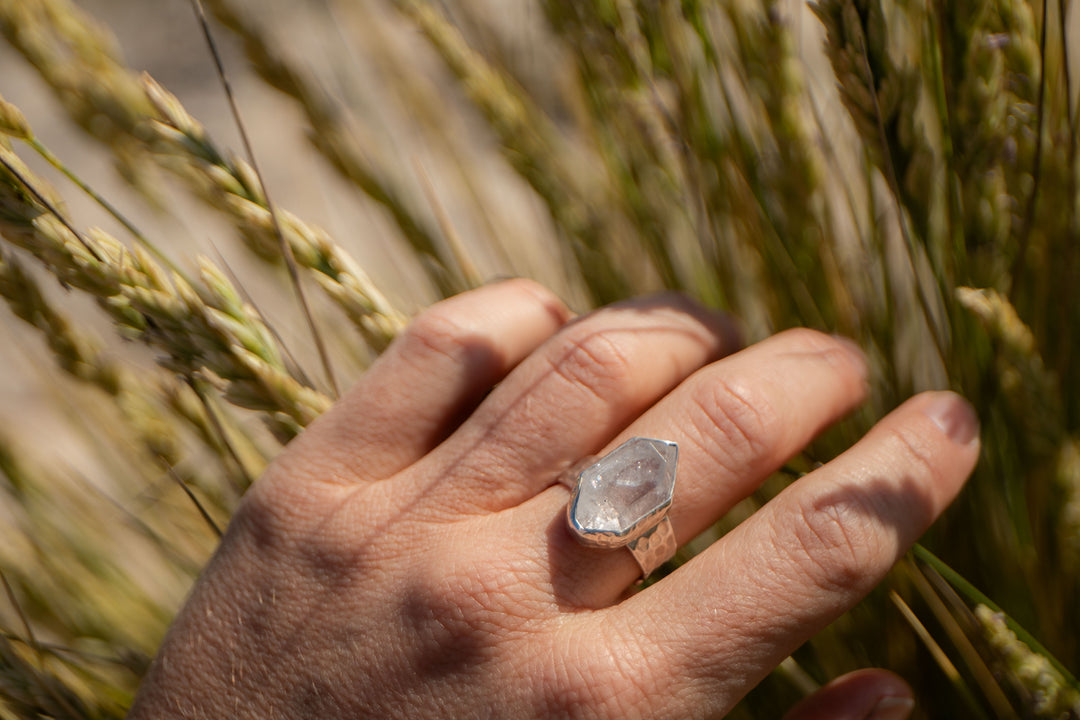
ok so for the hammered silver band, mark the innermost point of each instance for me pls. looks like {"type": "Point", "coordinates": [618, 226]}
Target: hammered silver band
{"type": "Point", "coordinates": [655, 547]}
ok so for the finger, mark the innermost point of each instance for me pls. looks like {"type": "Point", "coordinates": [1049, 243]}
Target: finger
{"type": "Point", "coordinates": [735, 423]}
{"type": "Point", "coordinates": [734, 612]}
{"type": "Point", "coordinates": [860, 695]}
{"type": "Point", "coordinates": [570, 398]}
{"type": "Point", "coordinates": [429, 379]}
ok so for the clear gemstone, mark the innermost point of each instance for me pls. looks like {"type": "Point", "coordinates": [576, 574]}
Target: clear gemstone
{"type": "Point", "coordinates": [626, 486]}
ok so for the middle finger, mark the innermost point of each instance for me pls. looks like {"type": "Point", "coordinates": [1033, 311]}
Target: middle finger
{"type": "Point", "coordinates": [567, 400]}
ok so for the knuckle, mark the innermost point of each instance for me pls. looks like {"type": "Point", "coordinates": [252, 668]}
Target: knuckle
{"type": "Point", "coordinates": [614, 676]}
{"type": "Point", "coordinates": [435, 332]}
{"type": "Point", "coordinates": [594, 361]}
{"type": "Point", "coordinates": [309, 526]}
{"type": "Point", "coordinates": [444, 329]}
{"type": "Point", "coordinates": [278, 507]}
{"type": "Point", "coordinates": [915, 454]}
{"type": "Point", "coordinates": [837, 541]}
{"type": "Point", "coordinates": [733, 423]}
{"type": "Point", "coordinates": [537, 293]}
{"type": "Point", "coordinates": [804, 342]}
{"type": "Point", "coordinates": [459, 611]}
{"type": "Point", "coordinates": [443, 625]}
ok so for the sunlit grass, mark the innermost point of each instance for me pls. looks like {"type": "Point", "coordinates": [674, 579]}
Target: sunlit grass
{"type": "Point", "coordinates": [903, 174]}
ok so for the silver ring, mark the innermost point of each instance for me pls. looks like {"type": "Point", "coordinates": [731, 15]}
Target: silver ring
{"type": "Point", "coordinates": [622, 500]}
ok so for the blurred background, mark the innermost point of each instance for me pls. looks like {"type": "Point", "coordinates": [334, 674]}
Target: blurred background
{"type": "Point", "coordinates": [902, 173]}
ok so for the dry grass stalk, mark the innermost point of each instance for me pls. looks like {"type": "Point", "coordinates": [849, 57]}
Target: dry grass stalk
{"type": "Point", "coordinates": [784, 166]}
{"type": "Point", "coordinates": [141, 402]}
{"type": "Point", "coordinates": [79, 59]}
{"type": "Point", "coordinates": [140, 119]}
{"type": "Point", "coordinates": [283, 246]}
{"type": "Point", "coordinates": [205, 330]}
{"type": "Point", "coordinates": [1067, 471]}
{"type": "Point", "coordinates": [97, 612]}
{"type": "Point", "coordinates": [31, 691]}
{"type": "Point", "coordinates": [331, 136]}
{"type": "Point", "coordinates": [635, 126]}
{"type": "Point", "coordinates": [702, 162]}
{"type": "Point", "coordinates": [229, 184]}
{"type": "Point", "coordinates": [534, 149]}
{"type": "Point", "coordinates": [882, 88]}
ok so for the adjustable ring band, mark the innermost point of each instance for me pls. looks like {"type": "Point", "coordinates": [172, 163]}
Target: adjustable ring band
{"type": "Point", "coordinates": [655, 547]}
{"type": "Point", "coordinates": [622, 499]}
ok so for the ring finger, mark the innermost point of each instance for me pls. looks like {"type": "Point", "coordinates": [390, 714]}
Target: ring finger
{"type": "Point", "coordinates": [735, 422]}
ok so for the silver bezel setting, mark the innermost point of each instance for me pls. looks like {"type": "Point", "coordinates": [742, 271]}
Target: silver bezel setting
{"type": "Point", "coordinates": [610, 539]}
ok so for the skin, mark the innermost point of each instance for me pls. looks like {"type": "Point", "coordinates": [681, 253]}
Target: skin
{"type": "Point", "coordinates": [408, 555]}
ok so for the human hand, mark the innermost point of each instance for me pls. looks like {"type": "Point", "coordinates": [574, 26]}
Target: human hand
{"type": "Point", "coordinates": [408, 555]}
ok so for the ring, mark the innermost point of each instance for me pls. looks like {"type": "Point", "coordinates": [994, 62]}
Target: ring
{"type": "Point", "coordinates": [622, 499]}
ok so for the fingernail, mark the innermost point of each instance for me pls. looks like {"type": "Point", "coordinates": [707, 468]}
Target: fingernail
{"type": "Point", "coordinates": [855, 353]}
{"type": "Point", "coordinates": [892, 708]}
{"type": "Point", "coordinates": [954, 416]}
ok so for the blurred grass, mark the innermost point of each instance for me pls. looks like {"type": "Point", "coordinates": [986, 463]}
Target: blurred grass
{"type": "Point", "coordinates": [904, 173]}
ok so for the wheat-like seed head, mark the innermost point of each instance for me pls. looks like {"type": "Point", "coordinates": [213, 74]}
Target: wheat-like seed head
{"type": "Point", "coordinates": [75, 352]}
{"type": "Point", "coordinates": [230, 185]}
{"type": "Point", "coordinates": [673, 145]}
{"type": "Point", "coordinates": [204, 329]}
{"type": "Point", "coordinates": [142, 120]}
{"type": "Point", "coordinates": [882, 88]}
{"type": "Point", "coordinates": [330, 135]}
{"type": "Point", "coordinates": [1030, 388]}
{"type": "Point", "coordinates": [1051, 694]}
{"type": "Point", "coordinates": [12, 122]}
{"type": "Point", "coordinates": [79, 59]}
{"type": "Point", "coordinates": [532, 146]}
{"type": "Point", "coordinates": [990, 56]}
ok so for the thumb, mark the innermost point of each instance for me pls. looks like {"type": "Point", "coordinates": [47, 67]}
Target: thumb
{"type": "Point", "coordinates": [861, 695]}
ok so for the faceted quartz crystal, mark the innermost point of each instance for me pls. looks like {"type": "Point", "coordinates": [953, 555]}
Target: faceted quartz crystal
{"type": "Point", "coordinates": [625, 487]}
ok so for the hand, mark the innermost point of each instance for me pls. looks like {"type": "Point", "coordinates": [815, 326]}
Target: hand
{"type": "Point", "coordinates": [408, 555]}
